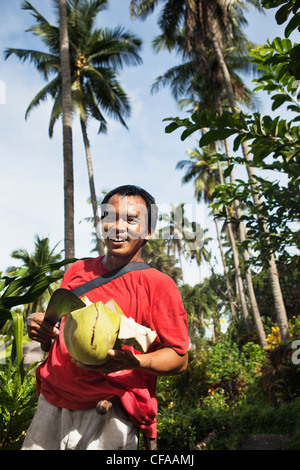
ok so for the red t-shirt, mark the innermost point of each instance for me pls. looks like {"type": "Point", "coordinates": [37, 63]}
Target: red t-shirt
{"type": "Point", "coordinates": [152, 299]}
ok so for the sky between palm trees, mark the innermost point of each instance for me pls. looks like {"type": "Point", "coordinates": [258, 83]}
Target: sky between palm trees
{"type": "Point", "coordinates": [31, 182]}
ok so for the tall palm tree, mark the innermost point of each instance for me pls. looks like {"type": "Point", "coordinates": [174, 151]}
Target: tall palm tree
{"type": "Point", "coordinates": [215, 36]}
{"type": "Point", "coordinates": [202, 80]}
{"type": "Point", "coordinates": [67, 131]}
{"type": "Point", "coordinates": [96, 54]}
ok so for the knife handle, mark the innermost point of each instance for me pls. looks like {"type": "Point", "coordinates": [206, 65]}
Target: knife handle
{"type": "Point", "coordinates": [104, 405]}
{"type": "Point", "coordinates": [46, 346]}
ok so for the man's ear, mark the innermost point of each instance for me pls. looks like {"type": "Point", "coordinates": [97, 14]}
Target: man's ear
{"type": "Point", "coordinates": [147, 238]}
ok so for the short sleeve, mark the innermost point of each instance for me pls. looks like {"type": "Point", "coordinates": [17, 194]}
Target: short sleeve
{"type": "Point", "coordinates": [170, 320]}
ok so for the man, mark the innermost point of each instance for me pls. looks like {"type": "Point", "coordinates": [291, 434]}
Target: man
{"type": "Point", "coordinates": [66, 416]}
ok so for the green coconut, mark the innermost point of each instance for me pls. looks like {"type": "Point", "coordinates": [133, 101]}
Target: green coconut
{"type": "Point", "coordinates": [90, 332]}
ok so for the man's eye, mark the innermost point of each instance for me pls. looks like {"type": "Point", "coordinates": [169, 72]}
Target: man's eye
{"type": "Point", "coordinates": [109, 218]}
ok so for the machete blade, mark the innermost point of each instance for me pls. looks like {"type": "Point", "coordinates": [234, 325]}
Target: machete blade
{"type": "Point", "coordinates": [61, 302]}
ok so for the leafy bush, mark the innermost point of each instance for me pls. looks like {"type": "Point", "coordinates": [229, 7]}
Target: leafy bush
{"type": "Point", "coordinates": [227, 388]}
{"type": "Point", "coordinates": [18, 401]}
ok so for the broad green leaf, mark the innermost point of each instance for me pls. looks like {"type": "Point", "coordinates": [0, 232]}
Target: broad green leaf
{"type": "Point", "coordinates": [283, 13]}
{"type": "Point", "coordinates": [228, 170]}
{"type": "Point", "coordinates": [18, 334]}
{"type": "Point", "coordinates": [293, 24]}
{"type": "Point", "coordinates": [172, 127]}
{"type": "Point", "coordinates": [5, 315]}
{"type": "Point", "coordinates": [190, 130]}
{"type": "Point", "coordinates": [278, 100]}
{"type": "Point", "coordinates": [216, 134]}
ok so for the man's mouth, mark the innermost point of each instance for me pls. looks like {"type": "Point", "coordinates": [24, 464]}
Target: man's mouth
{"type": "Point", "coordinates": [119, 240]}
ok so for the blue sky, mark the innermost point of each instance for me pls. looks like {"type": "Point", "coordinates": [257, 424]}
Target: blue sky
{"type": "Point", "coordinates": [31, 183]}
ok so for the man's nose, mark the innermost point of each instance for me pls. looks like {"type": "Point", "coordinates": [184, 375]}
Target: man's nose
{"type": "Point", "coordinates": [121, 224]}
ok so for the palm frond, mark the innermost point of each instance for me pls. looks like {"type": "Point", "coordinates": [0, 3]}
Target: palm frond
{"type": "Point", "coordinates": [115, 48]}
{"type": "Point", "coordinates": [43, 61]}
{"type": "Point", "coordinates": [55, 112]}
{"type": "Point", "coordinates": [142, 8]}
{"type": "Point", "coordinates": [49, 90]}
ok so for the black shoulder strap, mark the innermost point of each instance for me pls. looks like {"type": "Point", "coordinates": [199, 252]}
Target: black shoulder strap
{"type": "Point", "coordinates": [110, 276]}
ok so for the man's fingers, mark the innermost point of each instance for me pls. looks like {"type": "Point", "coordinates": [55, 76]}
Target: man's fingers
{"type": "Point", "coordinates": [39, 329]}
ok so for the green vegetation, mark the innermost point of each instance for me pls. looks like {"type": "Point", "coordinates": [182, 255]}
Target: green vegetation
{"type": "Point", "coordinates": [233, 390]}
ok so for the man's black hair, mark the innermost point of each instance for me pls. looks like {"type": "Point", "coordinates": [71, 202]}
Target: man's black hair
{"type": "Point", "coordinates": [131, 190]}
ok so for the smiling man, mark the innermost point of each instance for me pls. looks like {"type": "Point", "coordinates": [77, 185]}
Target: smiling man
{"type": "Point", "coordinates": [66, 417]}
{"type": "Point", "coordinates": [126, 226]}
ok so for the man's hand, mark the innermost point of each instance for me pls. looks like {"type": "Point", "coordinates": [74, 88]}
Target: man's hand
{"type": "Point", "coordinates": [39, 329]}
{"type": "Point", "coordinates": [119, 360]}
{"type": "Point", "coordinates": [162, 362]}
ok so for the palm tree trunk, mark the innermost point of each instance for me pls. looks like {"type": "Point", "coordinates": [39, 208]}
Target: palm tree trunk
{"type": "Point", "coordinates": [237, 269]}
{"type": "Point", "coordinates": [248, 275]}
{"type": "Point", "coordinates": [92, 185]}
{"type": "Point", "coordinates": [228, 285]}
{"type": "Point", "coordinates": [272, 271]}
{"type": "Point", "coordinates": [180, 263]}
{"type": "Point", "coordinates": [242, 236]}
{"type": "Point", "coordinates": [236, 263]}
{"type": "Point", "coordinates": [67, 133]}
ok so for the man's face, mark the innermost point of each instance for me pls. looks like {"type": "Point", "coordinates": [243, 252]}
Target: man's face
{"type": "Point", "coordinates": [125, 226]}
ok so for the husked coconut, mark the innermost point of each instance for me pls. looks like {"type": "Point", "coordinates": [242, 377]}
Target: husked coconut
{"type": "Point", "coordinates": [90, 332]}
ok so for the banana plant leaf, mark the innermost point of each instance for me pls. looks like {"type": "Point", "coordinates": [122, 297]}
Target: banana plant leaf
{"type": "Point", "coordinates": [26, 285]}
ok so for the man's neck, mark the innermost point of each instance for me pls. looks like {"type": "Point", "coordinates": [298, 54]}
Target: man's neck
{"type": "Point", "coordinates": [111, 262]}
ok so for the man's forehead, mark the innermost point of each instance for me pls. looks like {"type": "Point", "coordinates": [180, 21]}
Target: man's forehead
{"type": "Point", "coordinates": [128, 204]}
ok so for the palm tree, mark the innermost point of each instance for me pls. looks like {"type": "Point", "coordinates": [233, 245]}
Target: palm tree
{"type": "Point", "coordinates": [208, 16]}
{"type": "Point", "coordinates": [95, 57]}
{"type": "Point", "coordinates": [177, 232]}
{"type": "Point", "coordinates": [196, 248]}
{"type": "Point", "coordinates": [42, 254]}
{"type": "Point", "coordinates": [154, 252]}
{"type": "Point", "coordinates": [67, 131]}
{"type": "Point", "coordinates": [201, 89]}
{"type": "Point", "coordinates": [198, 303]}
{"type": "Point", "coordinates": [205, 176]}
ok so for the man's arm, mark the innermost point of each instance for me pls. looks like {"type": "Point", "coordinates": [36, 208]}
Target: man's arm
{"type": "Point", "coordinates": [163, 362]}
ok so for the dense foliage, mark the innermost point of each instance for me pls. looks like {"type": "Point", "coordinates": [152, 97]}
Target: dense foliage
{"type": "Point", "coordinates": [234, 391]}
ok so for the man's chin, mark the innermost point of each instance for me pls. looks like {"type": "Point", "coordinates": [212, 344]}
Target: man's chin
{"type": "Point", "coordinates": [123, 249]}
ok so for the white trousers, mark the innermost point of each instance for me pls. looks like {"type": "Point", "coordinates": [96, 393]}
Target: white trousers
{"type": "Point", "coordinates": [54, 428]}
